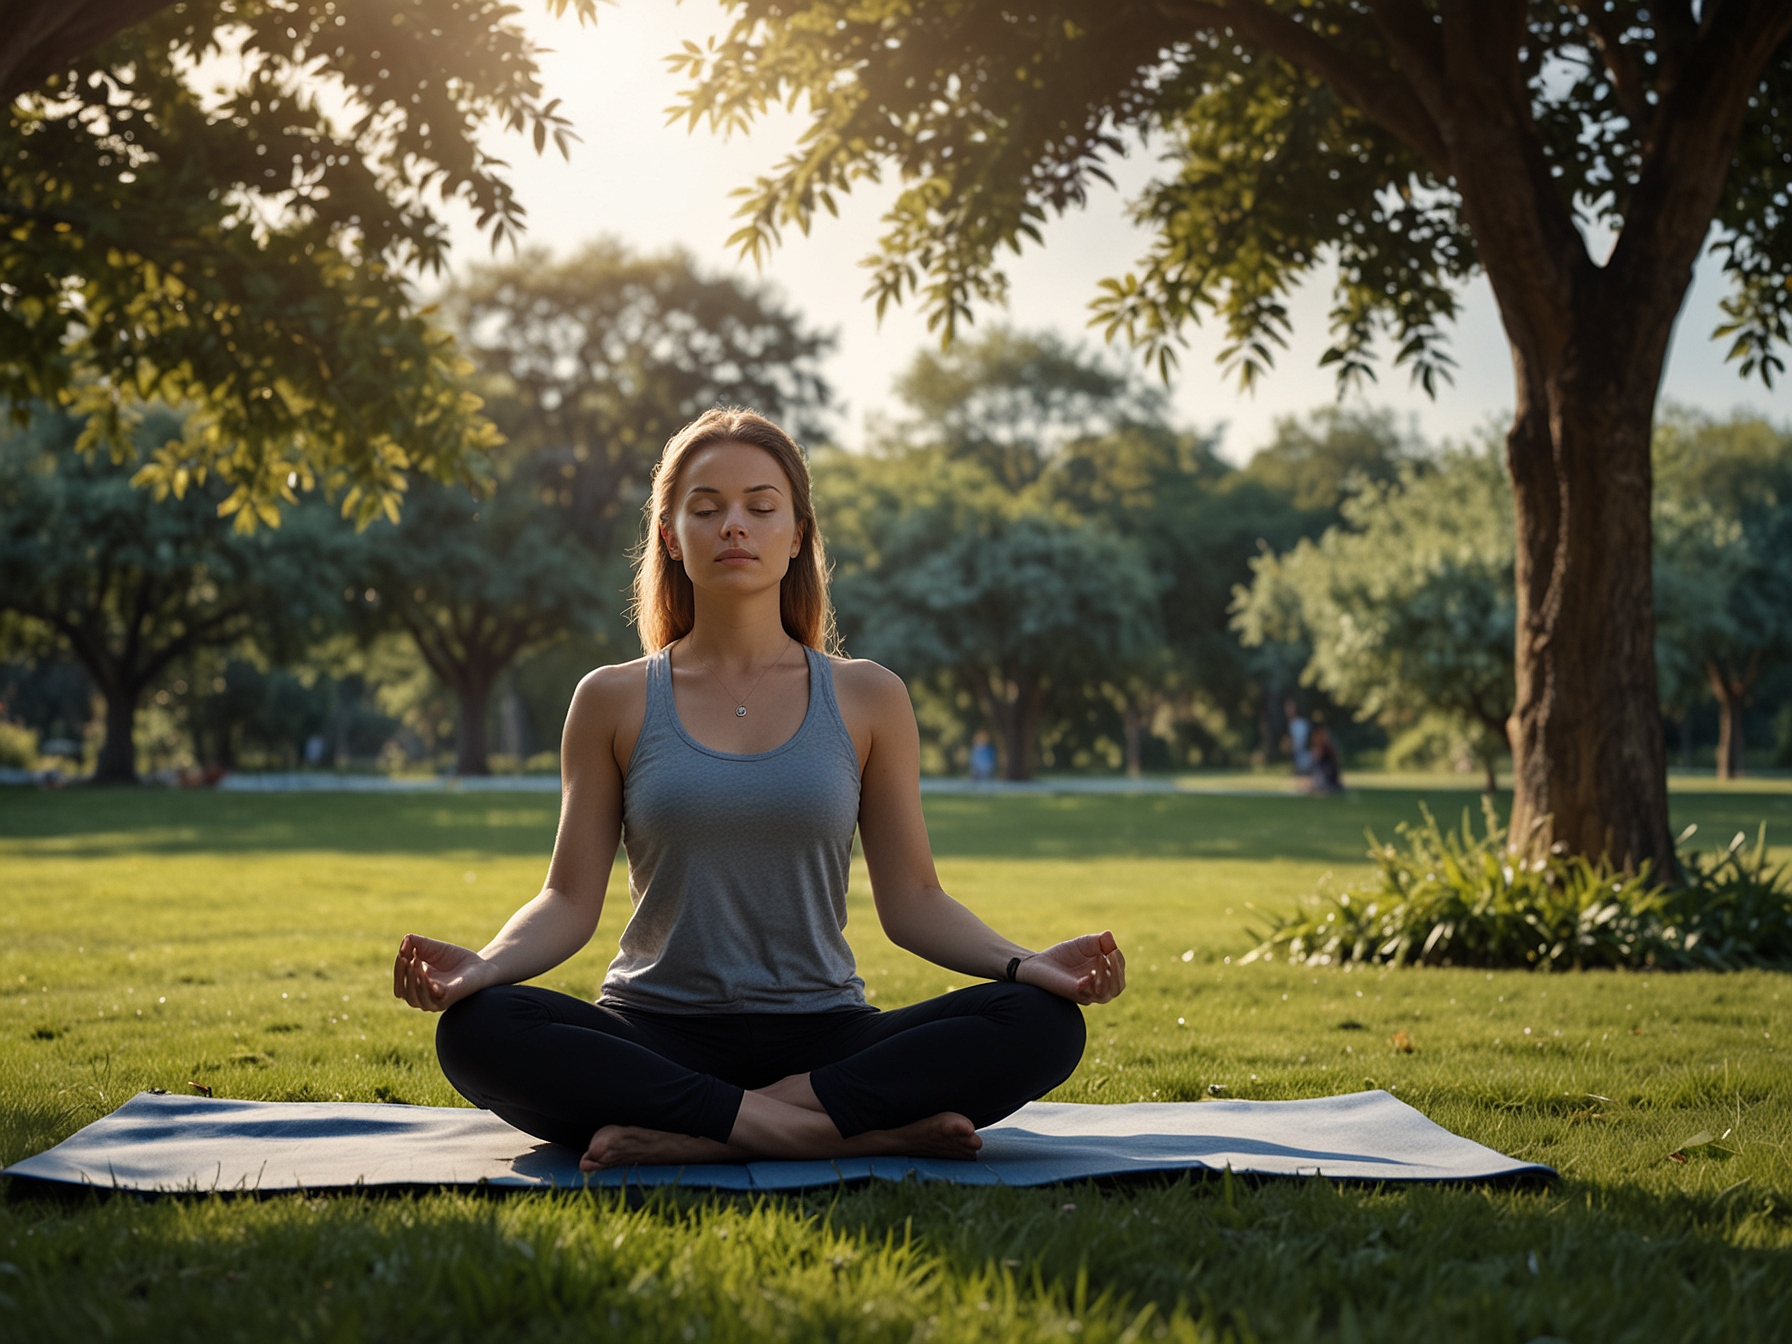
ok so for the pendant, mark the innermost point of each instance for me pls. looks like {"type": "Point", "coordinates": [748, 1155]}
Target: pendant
{"type": "Point", "coordinates": [740, 711]}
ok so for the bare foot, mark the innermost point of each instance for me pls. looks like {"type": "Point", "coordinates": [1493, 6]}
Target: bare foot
{"type": "Point", "coordinates": [769, 1128]}
{"type": "Point", "coordinates": [944, 1135]}
{"type": "Point", "coordinates": [627, 1146]}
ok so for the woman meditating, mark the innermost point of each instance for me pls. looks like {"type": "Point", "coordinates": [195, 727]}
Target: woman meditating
{"type": "Point", "coordinates": [733, 762]}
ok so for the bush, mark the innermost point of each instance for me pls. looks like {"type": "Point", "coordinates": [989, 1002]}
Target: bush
{"type": "Point", "coordinates": [1454, 899]}
{"type": "Point", "coordinates": [18, 746]}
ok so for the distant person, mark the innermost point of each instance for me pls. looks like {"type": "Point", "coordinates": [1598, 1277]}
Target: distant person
{"type": "Point", "coordinates": [1300, 736]}
{"type": "Point", "coordinates": [734, 762]}
{"type": "Point", "coordinates": [315, 746]}
{"type": "Point", "coordinates": [1324, 772]}
{"type": "Point", "coordinates": [983, 758]}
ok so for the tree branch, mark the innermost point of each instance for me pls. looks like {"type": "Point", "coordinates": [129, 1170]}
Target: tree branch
{"type": "Point", "coordinates": [439, 661]}
{"type": "Point", "coordinates": [1417, 49]}
{"type": "Point", "coordinates": [1626, 82]}
{"type": "Point", "coordinates": [190, 638]}
{"type": "Point", "coordinates": [91, 654]}
{"type": "Point", "coordinates": [1379, 93]}
{"type": "Point", "coordinates": [43, 36]}
{"type": "Point", "coordinates": [1694, 141]}
{"type": "Point", "coordinates": [1463, 59]}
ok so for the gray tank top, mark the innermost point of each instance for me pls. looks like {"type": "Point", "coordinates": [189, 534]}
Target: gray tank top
{"type": "Point", "coordinates": [737, 864]}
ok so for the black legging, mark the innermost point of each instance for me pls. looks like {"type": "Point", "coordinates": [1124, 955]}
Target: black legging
{"type": "Point", "coordinates": [560, 1068]}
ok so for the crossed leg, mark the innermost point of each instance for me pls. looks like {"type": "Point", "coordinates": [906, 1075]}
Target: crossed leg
{"type": "Point", "coordinates": [784, 1120]}
{"type": "Point", "coordinates": [918, 1080]}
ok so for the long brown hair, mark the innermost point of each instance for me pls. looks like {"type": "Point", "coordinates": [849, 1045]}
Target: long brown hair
{"type": "Point", "coordinates": [665, 606]}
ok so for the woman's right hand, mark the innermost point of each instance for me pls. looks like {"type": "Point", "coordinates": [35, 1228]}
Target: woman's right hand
{"type": "Point", "coordinates": [434, 975]}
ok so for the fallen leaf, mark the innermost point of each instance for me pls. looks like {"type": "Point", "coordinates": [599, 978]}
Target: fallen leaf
{"type": "Point", "coordinates": [1402, 1042]}
{"type": "Point", "coordinates": [1704, 1144]}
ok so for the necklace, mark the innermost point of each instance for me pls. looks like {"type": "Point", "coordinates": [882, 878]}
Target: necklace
{"type": "Point", "coordinates": [740, 701]}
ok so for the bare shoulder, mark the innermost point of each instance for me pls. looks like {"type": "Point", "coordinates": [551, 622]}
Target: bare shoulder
{"type": "Point", "coordinates": [869, 692]}
{"type": "Point", "coordinates": [608, 707]}
{"type": "Point", "coordinates": [612, 687]}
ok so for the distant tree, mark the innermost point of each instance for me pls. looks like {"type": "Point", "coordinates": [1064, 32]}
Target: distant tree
{"type": "Point", "coordinates": [1198, 522]}
{"type": "Point", "coordinates": [1407, 604]}
{"type": "Point", "coordinates": [1723, 526]}
{"type": "Point", "coordinates": [1312, 464]}
{"type": "Point", "coordinates": [1015, 603]}
{"type": "Point", "coordinates": [249, 252]}
{"type": "Point", "coordinates": [1018, 405]}
{"type": "Point", "coordinates": [1411, 145]}
{"type": "Point", "coordinates": [476, 583]}
{"type": "Point", "coordinates": [127, 585]}
{"type": "Point", "coordinates": [1318, 461]}
{"type": "Point", "coordinates": [1011, 400]}
{"type": "Point", "coordinates": [589, 364]}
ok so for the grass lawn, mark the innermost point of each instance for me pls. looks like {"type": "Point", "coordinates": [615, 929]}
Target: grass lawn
{"type": "Point", "coordinates": [243, 942]}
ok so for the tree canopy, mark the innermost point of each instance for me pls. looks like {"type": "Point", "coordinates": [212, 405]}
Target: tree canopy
{"type": "Point", "coordinates": [1406, 144]}
{"type": "Point", "coordinates": [248, 251]}
{"type": "Point", "coordinates": [592, 362]}
{"type": "Point", "coordinates": [1012, 400]}
{"type": "Point", "coordinates": [1295, 135]}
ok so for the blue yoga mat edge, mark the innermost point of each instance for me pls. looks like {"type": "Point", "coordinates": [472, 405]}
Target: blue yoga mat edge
{"type": "Point", "coordinates": [194, 1145]}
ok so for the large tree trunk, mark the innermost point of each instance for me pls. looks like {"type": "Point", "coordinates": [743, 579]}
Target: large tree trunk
{"type": "Point", "coordinates": [118, 754]}
{"type": "Point", "coordinates": [1588, 343]}
{"type": "Point", "coordinates": [1588, 760]}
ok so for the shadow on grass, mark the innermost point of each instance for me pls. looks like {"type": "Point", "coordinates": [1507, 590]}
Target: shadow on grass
{"type": "Point", "coordinates": [1278, 1260]}
{"type": "Point", "coordinates": [1023, 826]}
{"type": "Point", "coordinates": [1572, 1260]}
{"type": "Point", "coordinates": [1072, 826]}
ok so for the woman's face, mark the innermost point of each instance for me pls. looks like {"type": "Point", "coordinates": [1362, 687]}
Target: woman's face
{"type": "Point", "coordinates": [733, 525]}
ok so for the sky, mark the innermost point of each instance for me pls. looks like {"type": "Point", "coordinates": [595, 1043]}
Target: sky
{"type": "Point", "coordinates": [653, 185]}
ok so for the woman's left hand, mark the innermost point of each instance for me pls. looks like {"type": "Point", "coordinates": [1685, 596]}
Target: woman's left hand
{"type": "Point", "coordinates": [1089, 969]}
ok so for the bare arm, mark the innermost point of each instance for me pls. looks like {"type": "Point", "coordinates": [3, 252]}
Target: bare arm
{"type": "Point", "coordinates": [914, 910]}
{"type": "Point", "coordinates": [558, 922]}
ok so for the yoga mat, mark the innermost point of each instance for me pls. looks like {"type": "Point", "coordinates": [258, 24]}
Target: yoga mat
{"type": "Point", "coordinates": [158, 1143]}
